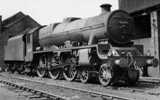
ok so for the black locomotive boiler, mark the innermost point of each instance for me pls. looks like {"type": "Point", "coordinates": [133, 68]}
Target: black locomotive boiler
{"type": "Point", "coordinates": [98, 46]}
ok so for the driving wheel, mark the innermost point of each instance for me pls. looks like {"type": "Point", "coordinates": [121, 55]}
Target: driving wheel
{"type": "Point", "coordinates": [54, 74]}
{"type": "Point", "coordinates": [41, 68]}
{"type": "Point", "coordinates": [70, 72]}
{"type": "Point", "coordinates": [84, 76]}
{"type": "Point", "coordinates": [105, 74]}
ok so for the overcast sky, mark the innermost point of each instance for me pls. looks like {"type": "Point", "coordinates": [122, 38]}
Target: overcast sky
{"type": "Point", "coordinates": [50, 11]}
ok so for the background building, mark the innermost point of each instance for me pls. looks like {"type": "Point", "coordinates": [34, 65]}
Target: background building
{"type": "Point", "coordinates": [146, 14]}
{"type": "Point", "coordinates": [14, 25]}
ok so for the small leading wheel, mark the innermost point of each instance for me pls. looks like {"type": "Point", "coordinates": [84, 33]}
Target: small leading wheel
{"type": "Point", "coordinates": [70, 72]}
{"type": "Point", "coordinates": [133, 76]}
{"type": "Point", "coordinates": [54, 74]}
{"type": "Point", "coordinates": [105, 75]}
{"type": "Point", "coordinates": [41, 69]}
{"type": "Point", "coordinates": [84, 76]}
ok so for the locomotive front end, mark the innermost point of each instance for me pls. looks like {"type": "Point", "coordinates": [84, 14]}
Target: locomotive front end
{"type": "Point", "coordinates": [127, 64]}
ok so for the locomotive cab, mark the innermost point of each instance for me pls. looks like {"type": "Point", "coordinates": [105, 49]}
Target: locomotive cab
{"type": "Point", "coordinates": [28, 50]}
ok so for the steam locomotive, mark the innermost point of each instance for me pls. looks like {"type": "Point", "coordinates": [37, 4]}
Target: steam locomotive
{"type": "Point", "coordinates": [81, 49]}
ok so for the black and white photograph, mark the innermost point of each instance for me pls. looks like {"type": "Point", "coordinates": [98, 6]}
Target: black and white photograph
{"type": "Point", "coordinates": [80, 50]}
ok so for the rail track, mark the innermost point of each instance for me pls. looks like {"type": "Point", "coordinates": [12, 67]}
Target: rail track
{"type": "Point", "coordinates": [105, 95]}
{"type": "Point", "coordinates": [51, 96]}
{"type": "Point", "coordinates": [35, 92]}
{"type": "Point", "coordinates": [134, 89]}
{"type": "Point", "coordinates": [150, 80]}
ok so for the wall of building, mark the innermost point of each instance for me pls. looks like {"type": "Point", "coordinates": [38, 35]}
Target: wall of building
{"type": "Point", "coordinates": [151, 45]}
{"type": "Point", "coordinates": [149, 49]}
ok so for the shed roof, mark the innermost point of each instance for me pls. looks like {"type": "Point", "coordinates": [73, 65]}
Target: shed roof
{"type": "Point", "coordinates": [133, 6]}
{"type": "Point", "coordinates": [18, 23]}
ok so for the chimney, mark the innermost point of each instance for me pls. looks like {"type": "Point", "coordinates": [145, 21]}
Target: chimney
{"type": "Point", "coordinates": [105, 8]}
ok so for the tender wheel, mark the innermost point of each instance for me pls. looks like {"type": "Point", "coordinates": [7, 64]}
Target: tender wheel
{"type": "Point", "coordinates": [70, 72]}
{"type": "Point", "coordinates": [54, 74]}
{"type": "Point", "coordinates": [40, 70]}
{"type": "Point", "coordinates": [20, 69]}
{"type": "Point", "coordinates": [6, 68]}
{"type": "Point", "coordinates": [84, 76]}
{"type": "Point", "coordinates": [105, 74]}
{"type": "Point", "coordinates": [13, 68]}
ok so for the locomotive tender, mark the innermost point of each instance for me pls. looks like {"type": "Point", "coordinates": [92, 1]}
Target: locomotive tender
{"type": "Point", "coordinates": [99, 46]}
